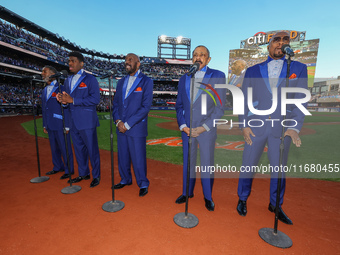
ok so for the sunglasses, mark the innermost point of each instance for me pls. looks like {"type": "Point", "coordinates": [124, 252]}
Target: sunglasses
{"type": "Point", "coordinates": [285, 39]}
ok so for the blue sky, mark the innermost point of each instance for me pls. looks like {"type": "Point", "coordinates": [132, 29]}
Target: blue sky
{"type": "Point", "coordinates": [133, 26]}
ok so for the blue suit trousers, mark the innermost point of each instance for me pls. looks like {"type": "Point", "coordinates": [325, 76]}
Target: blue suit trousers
{"type": "Point", "coordinates": [85, 143]}
{"type": "Point", "coordinates": [132, 149]}
{"type": "Point", "coordinates": [58, 149]}
{"type": "Point", "coordinates": [251, 156]}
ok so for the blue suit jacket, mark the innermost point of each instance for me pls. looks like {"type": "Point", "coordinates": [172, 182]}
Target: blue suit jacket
{"type": "Point", "coordinates": [51, 110]}
{"type": "Point", "coordinates": [257, 78]}
{"type": "Point", "coordinates": [135, 107]}
{"type": "Point", "coordinates": [85, 96]}
{"type": "Point", "coordinates": [211, 77]}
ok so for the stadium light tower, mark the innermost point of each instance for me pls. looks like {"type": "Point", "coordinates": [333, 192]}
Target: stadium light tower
{"type": "Point", "coordinates": [174, 44]}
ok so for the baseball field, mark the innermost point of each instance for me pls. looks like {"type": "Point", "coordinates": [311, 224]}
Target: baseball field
{"type": "Point", "coordinates": [39, 219]}
{"type": "Point", "coordinates": [320, 138]}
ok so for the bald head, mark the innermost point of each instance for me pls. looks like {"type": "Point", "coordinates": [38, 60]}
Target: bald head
{"type": "Point", "coordinates": [238, 66]}
{"type": "Point", "coordinates": [136, 57]}
{"type": "Point", "coordinates": [132, 63]}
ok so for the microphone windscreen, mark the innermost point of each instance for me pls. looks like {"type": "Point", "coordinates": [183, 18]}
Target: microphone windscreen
{"type": "Point", "coordinates": [284, 47]}
{"type": "Point", "coordinates": [37, 77]}
{"type": "Point", "coordinates": [64, 72]}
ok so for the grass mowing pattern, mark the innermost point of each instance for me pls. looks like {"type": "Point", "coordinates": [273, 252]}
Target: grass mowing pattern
{"type": "Point", "coordinates": [322, 148]}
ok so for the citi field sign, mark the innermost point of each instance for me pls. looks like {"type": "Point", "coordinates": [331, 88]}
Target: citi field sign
{"type": "Point", "coordinates": [261, 38]}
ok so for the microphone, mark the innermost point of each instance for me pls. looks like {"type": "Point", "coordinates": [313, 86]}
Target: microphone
{"type": "Point", "coordinates": [109, 73]}
{"type": "Point", "coordinates": [62, 73]}
{"type": "Point", "coordinates": [287, 50]}
{"type": "Point", "coordinates": [193, 69]}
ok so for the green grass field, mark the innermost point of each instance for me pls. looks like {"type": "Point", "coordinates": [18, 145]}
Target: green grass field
{"type": "Point", "coordinates": [311, 75]}
{"type": "Point", "coordinates": [321, 148]}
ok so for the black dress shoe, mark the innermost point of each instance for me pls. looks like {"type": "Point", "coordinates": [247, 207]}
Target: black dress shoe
{"type": "Point", "coordinates": [95, 182]}
{"type": "Point", "coordinates": [182, 199]}
{"type": "Point", "coordinates": [52, 172]}
{"type": "Point", "coordinates": [79, 178]}
{"type": "Point", "coordinates": [242, 207]}
{"type": "Point", "coordinates": [121, 185]}
{"type": "Point", "coordinates": [281, 215]}
{"type": "Point", "coordinates": [209, 205]}
{"type": "Point", "coordinates": [143, 192]}
{"type": "Point", "coordinates": [65, 176]}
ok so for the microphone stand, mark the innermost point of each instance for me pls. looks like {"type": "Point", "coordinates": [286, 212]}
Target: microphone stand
{"type": "Point", "coordinates": [273, 236]}
{"type": "Point", "coordinates": [113, 205]}
{"type": "Point", "coordinates": [40, 178]}
{"type": "Point", "coordinates": [188, 220]}
{"type": "Point", "coordinates": [72, 188]}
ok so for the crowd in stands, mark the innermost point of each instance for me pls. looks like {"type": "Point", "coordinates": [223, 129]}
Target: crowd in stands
{"type": "Point", "coordinates": [7, 70]}
{"type": "Point", "coordinates": [101, 66]}
{"type": "Point", "coordinates": [164, 87]}
{"type": "Point", "coordinates": [22, 62]}
{"type": "Point", "coordinates": [314, 45]}
{"type": "Point", "coordinates": [163, 100]}
{"type": "Point", "coordinates": [26, 40]}
{"type": "Point", "coordinates": [330, 95]}
{"type": "Point", "coordinates": [104, 104]}
{"type": "Point", "coordinates": [19, 94]}
{"type": "Point", "coordinates": [15, 99]}
{"type": "Point", "coordinates": [164, 71]}
{"type": "Point", "coordinates": [310, 58]}
{"type": "Point", "coordinates": [314, 98]}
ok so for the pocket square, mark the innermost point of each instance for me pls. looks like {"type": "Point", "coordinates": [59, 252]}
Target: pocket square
{"type": "Point", "coordinates": [54, 94]}
{"type": "Point", "coordinates": [293, 76]}
{"type": "Point", "coordinates": [82, 85]}
{"type": "Point", "coordinates": [138, 89]}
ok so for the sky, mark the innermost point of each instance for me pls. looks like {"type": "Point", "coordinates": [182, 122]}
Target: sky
{"type": "Point", "coordinates": [121, 27]}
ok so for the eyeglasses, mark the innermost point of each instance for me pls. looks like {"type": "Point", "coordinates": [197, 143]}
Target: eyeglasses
{"type": "Point", "coordinates": [284, 39]}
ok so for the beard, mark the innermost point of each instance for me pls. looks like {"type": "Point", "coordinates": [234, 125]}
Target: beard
{"type": "Point", "coordinates": [279, 55]}
{"type": "Point", "coordinates": [47, 79]}
{"type": "Point", "coordinates": [132, 69]}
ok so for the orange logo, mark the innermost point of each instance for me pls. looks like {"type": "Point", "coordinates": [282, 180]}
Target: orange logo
{"type": "Point", "coordinates": [82, 85]}
{"type": "Point", "coordinates": [177, 142]}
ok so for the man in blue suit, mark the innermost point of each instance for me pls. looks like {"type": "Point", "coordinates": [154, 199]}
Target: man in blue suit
{"type": "Point", "coordinates": [131, 106]}
{"type": "Point", "coordinates": [82, 96]}
{"type": "Point", "coordinates": [203, 129]}
{"type": "Point", "coordinates": [53, 124]}
{"type": "Point", "coordinates": [263, 78]}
